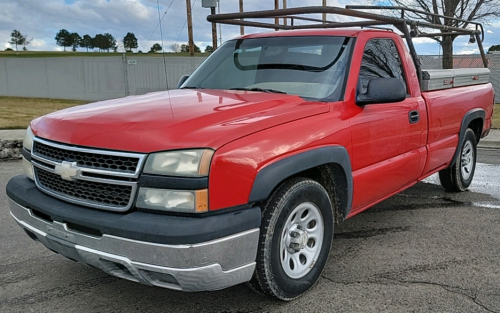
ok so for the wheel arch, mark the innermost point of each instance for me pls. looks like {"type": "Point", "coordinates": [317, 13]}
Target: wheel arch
{"type": "Point", "coordinates": [474, 120]}
{"type": "Point", "coordinates": [330, 166]}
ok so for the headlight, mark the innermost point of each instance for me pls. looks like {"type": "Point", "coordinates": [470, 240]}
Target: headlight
{"type": "Point", "coordinates": [187, 201]}
{"type": "Point", "coordinates": [28, 139]}
{"type": "Point", "coordinates": [28, 145]}
{"type": "Point", "coordinates": [192, 163]}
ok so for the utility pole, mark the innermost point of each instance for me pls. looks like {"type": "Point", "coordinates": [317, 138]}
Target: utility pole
{"type": "Point", "coordinates": [214, 30]}
{"type": "Point", "coordinates": [190, 28]}
{"type": "Point", "coordinates": [324, 14]}
{"type": "Point", "coordinates": [284, 7]}
{"type": "Point", "coordinates": [276, 7]}
{"type": "Point", "coordinates": [212, 4]}
{"type": "Point", "coordinates": [242, 28]}
{"type": "Point", "coordinates": [220, 24]}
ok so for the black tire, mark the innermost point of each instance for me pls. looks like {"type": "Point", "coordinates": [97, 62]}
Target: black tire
{"type": "Point", "coordinates": [277, 255]}
{"type": "Point", "coordinates": [459, 176]}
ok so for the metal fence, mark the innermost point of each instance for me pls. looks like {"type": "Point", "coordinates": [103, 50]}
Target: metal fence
{"type": "Point", "coordinates": [92, 78]}
{"type": "Point", "coordinates": [100, 78]}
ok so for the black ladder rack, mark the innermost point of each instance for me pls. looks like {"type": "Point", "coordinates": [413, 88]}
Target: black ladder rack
{"type": "Point", "coordinates": [408, 27]}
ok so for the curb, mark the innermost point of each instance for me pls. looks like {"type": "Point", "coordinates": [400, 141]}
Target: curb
{"type": "Point", "coordinates": [489, 144]}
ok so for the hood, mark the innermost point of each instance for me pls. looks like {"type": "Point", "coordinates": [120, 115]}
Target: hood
{"type": "Point", "coordinates": [177, 119]}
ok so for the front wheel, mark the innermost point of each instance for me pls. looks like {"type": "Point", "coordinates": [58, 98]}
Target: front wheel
{"type": "Point", "coordinates": [295, 239]}
{"type": "Point", "coordinates": [459, 176]}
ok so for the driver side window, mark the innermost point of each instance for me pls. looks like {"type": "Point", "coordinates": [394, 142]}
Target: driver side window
{"type": "Point", "coordinates": [380, 60]}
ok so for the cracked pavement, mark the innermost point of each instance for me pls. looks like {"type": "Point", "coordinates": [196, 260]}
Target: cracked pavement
{"type": "Point", "coordinates": [423, 250]}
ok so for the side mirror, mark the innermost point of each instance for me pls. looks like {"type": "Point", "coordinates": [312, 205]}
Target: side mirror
{"type": "Point", "coordinates": [182, 80]}
{"type": "Point", "coordinates": [382, 90]}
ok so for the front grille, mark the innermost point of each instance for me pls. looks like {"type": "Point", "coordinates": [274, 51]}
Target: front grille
{"type": "Point", "coordinates": [89, 192]}
{"type": "Point", "coordinates": [106, 180]}
{"type": "Point", "coordinates": [94, 160]}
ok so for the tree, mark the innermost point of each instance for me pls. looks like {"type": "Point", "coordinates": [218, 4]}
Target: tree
{"type": "Point", "coordinates": [185, 48]}
{"type": "Point", "coordinates": [17, 39]}
{"type": "Point", "coordinates": [75, 40]}
{"type": "Point", "coordinates": [99, 42]}
{"type": "Point", "coordinates": [110, 42]}
{"type": "Point", "coordinates": [26, 42]}
{"type": "Point", "coordinates": [494, 48]}
{"type": "Point", "coordinates": [175, 47]}
{"type": "Point", "coordinates": [155, 48]}
{"type": "Point", "coordinates": [467, 10]}
{"type": "Point", "coordinates": [130, 42]}
{"type": "Point", "coordinates": [87, 42]}
{"type": "Point", "coordinates": [105, 42]}
{"type": "Point", "coordinates": [63, 38]}
{"type": "Point", "coordinates": [209, 49]}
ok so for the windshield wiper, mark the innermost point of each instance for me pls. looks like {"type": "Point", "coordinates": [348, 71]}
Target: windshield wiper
{"type": "Point", "coordinates": [259, 89]}
{"type": "Point", "coordinates": [192, 87]}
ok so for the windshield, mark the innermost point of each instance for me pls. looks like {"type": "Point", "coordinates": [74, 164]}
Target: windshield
{"type": "Point", "coordinates": [310, 67]}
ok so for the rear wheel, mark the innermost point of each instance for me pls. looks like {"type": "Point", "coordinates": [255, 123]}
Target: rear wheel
{"type": "Point", "coordinates": [295, 239]}
{"type": "Point", "coordinates": [459, 176]}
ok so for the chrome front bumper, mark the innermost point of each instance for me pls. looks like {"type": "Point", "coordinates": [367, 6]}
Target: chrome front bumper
{"type": "Point", "coordinates": [210, 265]}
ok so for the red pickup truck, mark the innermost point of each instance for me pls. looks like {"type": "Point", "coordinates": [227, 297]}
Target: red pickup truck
{"type": "Point", "coordinates": [241, 174]}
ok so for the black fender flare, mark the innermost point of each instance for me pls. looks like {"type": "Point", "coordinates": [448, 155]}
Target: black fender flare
{"type": "Point", "coordinates": [469, 117]}
{"type": "Point", "coordinates": [269, 177]}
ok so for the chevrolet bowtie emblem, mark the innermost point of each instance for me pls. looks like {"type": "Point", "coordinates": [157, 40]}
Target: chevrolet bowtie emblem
{"type": "Point", "coordinates": [67, 170]}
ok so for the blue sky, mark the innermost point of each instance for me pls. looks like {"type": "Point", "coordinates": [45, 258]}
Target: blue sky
{"type": "Point", "coordinates": [41, 20]}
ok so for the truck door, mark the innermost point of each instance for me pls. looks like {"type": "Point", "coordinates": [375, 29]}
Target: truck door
{"type": "Point", "coordinates": [386, 137]}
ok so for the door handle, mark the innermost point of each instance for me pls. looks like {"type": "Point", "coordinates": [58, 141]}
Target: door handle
{"type": "Point", "coordinates": [414, 117]}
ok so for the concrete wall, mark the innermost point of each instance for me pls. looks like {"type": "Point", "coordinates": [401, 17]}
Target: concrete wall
{"type": "Point", "coordinates": [91, 78]}
{"type": "Point", "coordinates": [100, 78]}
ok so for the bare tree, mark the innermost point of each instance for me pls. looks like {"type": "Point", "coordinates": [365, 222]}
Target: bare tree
{"type": "Point", "coordinates": [175, 47]}
{"type": "Point", "coordinates": [466, 10]}
{"type": "Point", "coordinates": [26, 42]}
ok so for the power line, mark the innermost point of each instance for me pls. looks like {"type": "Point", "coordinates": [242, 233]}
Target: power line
{"type": "Point", "coordinates": [177, 40]}
{"type": "Point", "coordinates": [160, 20]}
{"type": "Point", "coordinates": [163, 53]}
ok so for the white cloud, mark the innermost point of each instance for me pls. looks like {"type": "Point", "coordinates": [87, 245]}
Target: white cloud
{"type": "Point", "coordinates": [468, 51]}
{"type": "Point", "coordinates": [424, 40]}
{"type": "Point", "coordinates": [36, 43]}
{"type": "Point", "coordinates": [489, 31]}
